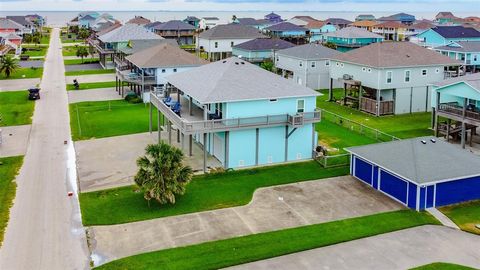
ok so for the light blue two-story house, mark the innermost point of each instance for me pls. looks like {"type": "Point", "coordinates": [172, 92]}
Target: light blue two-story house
{"type": "Point", "coordinates": [318, 29]}
{"type": "Point", "coordinates": [350, 38]}
{"type": "Point", "coordinates": [444, 35]}
{"type": "Point", "coordinates": [458, 101]}
{"type": "Point", "coordinates": [260, 49]}
{"type": "Point", "coordinates": [240, 113]}
{"type": "Point", "coordinates": [466, 51]}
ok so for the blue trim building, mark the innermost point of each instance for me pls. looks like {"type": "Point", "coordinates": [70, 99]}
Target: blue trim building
{"type": "Point", "coordinates": [289, 32]}
{"type": "Point", "coordinates": [419, 173]}
{"type": "Point", "coordinates": [350, 38]}
{"type": "Point", "coordinates": [260, 49]}
{"type": "Point", "coordinates": [444, 35]}
{"type": "Point", "coordinates": [466, 51]}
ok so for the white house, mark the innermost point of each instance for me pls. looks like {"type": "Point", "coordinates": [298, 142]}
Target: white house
{"type": "Point", "coordinates": [307, 65]}
{"type": "Point", "coordinates": [389, 77]}
{"type": "Point", "coordinates": [218, 41]}
{"type": "Point", "coordinates": [208, 23]}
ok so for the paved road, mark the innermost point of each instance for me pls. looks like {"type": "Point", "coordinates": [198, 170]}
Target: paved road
{"type": "Point", "coordinates": [101, 94]}
{"type": "Point", "coordinates": [398, 250]}
{"type": "Point", "coordinates": [271, 209]}
{"type": "Point", "coordinates": [45, 230]}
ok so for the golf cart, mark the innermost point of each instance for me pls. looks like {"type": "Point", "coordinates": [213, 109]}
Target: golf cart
{"type": "Point", "coordinates": [34, 93]}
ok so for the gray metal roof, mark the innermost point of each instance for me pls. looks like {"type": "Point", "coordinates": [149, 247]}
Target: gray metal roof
{"type": "Point", "coordinates": [311, 51]}
{"type": "Point", "coordinates": [233, 79]}
{"type": "Point", "coordinates": [465, 46]}
{"type": "Point", "coordinates": [353, 32]}
{"type": "Point", "coordinates": [128, 32]}
{"type": "Point", "coordinates": [421, 163]}
{"type": "Point", "coordinates": [471, 79]}
{"type": "Point", "coordinates": [9, 24]}
{"type": "Point", "coordinates": [164, 55]}
{"type": "Point", "coordinates": [231, 31]}
{"type": "Point", "coordinates": [174, 25]}
{"type": "Point", "coordinates": [140, 45]}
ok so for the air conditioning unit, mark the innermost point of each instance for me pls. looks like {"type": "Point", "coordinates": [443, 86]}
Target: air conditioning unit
{"type": "Point", "coordinates": [347, 77]}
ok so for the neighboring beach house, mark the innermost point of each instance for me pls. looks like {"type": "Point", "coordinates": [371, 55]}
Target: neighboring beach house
{"type": "Point", "coordinates": [367, 25]}
{"type": "Point", "coordinates": [302, 20]}
{"type": "Point", "coordinates": [402, 18]}
{"type": "Point", "coordinates": [28, 26]}
{"type": "Point", "coordinates": [207, 23]}
{"type": "Point", "coordinates": [365, 17]}
{"type": "Point", "coordinates": [318, 29]}
{"type": "Point", "coordinates": [444, 35]}
{"type": "Point", "coordinates": [147, 69]}
{"type": "Point", "coordinates": [466, 51]}
{"type": "Point", "coordinates": [241, 114]}
{"type": "Point", "coordinates": [273, 18]}
{"type": "Point", "coordinates": [193, 21]}
{"type": "Point", "coordinates": [339, 23]}
{"type": "Point", "coordinates": [393, 31]}
{"type": "Point", "coordinates": [182, 32]}
{"type": "Point", "coordinates": [138, 20]}
{"type": "Point", "coordinates": [260, 49]}
{"type": "Point", "coordinates": [389, 77]}
{"type": "Point", "coordinates": [289, 32]}
{"type": "Point", "coordinates": [458, 101]}
{"type": "Point", "coordinates": [350, 38]}
{"type": "Point", "coordinates": [217, 42]}
{"type": "Point", "coordinates": [307, 65]}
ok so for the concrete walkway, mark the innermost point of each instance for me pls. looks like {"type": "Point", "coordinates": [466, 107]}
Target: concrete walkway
{"type": "Point", "coordinates": [19, 84]}
{"type": "Point", "coordinates": [271, 209]}
{"type": "Point", "coordinates": [14, 140]}
{"type": "Point", "coordinates": [442, 218]}
{"type": "Point", "coordinates": [393, 251]}
{"type": "Point", "coordinates": [45, 230]}
{"type": "Point", "coordinates": [100, 94]}
{"type": "Point", "coordinates": [91, 78]}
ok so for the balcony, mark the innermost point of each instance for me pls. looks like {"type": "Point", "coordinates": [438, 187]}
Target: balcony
{"type": "Point", "coordinates": [96, 44]}
{"type": "Point", "coordinates": [370, 106]}
{"type": "Point", "coordinates": [195, 123]}
{"type": "Point", "coordinates": [136, 78]}
{"type": "Point", "coordinates": [456, 112]}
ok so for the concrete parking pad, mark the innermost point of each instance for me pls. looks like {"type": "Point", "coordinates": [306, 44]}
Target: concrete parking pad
{"type": "Point", "coordinates": [394, 251]}
{"type": "Point", "coordinates": [14, 140]}
{"type": "Point", "coordinates": [111, 162]}
{"type": "Point", "coordinates": [31, 63]}
{"type": "Point", "coordinates": [91, 78]}
{"type": "Point", "coordinates": [83, 67]}
{"type": "Point", "coordinates": [100, 94]}
{"type": "Point", "coordinates": [272, 208]}
{"type": "Point", "coordinates": [19, 84]}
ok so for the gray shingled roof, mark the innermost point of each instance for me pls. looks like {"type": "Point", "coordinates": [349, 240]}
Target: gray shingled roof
{"type": "Point", "coordinates": [128, 32]}
{"type": "Point", "coordinates": [234, 79]}
{"type": "Point", "coordinates": [9, 24]}
{"type": "Point", "coordinates": [231, 31]}
{"type": "Point", "coordinates": [395, 54]}
{"type": "Point", "coordinates": [421, 163]}
{"type": "Point", "coordinates": [471, 79]}
{"type": "Point", "coordinates": [353, 32]}
{"type": "Point", "coordinates": [311, 51]}
{"type": "Point", "coordinates": [285, 26]}
{"type": "Point", "coordinates": [174, 25]}
{"type": "Point", "coordinates": [140, 45]}
{"type": "Point", "coordinates": [465, 46]}
{"type": "Point", "coordinates": [262, 44]}
{"type": "Point", "coordinates": [165, 55]}
{"type": "Point", "coordinates": [20, 20]}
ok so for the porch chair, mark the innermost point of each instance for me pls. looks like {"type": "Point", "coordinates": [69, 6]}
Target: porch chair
{"type": "Point", "coordinates": [176, 108]}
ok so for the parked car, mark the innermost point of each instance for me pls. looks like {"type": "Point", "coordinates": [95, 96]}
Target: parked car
{"type": "Point", "coordinates": [34, 93]}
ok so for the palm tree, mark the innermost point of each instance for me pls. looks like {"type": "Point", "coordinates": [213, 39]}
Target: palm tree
{"type": "Point", "coordinates": [161, 173]}
{"type": "Point", "coordinates": [8, 65]}
{"type": "Point", "coordinates": [82, 52]}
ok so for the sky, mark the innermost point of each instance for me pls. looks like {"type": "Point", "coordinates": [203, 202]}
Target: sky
{"type": "Point", "coordinates": [243, 5]}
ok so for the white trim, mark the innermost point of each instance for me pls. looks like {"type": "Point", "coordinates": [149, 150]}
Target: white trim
{"type": "Point", "coordinates": [408, 191]}
{"type": "Point", "coordinates": [417, 202]}
{"type": "Point", "coordinates": [434, 196]}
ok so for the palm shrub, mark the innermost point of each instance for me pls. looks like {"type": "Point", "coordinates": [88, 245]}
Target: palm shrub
{"type": "Point", "coordinates": [8, 65]}
{"type": "Point", "coordinates": [161, 173]}
{"type": "Point", "coordinates": [82, 52]}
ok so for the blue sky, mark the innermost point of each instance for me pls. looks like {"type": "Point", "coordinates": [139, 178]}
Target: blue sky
{"type": "Point", "coordinates": [293, 5]}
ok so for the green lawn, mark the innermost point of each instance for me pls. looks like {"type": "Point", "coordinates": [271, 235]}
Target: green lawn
{"type": "Point", "coordinates": [70, 50]}
{"type": "Point", "coordinates": [239, 250]}
{"type": "Point", "coordinates": [442, 266]}
{"type": "Point", "coordinates": [15, 108]}
{"type": "Point", "coordinates": [45, 39]}
{"type": "Point", "coordinates": [89, 72]}
{"type": "Point", "coordinates": [205, 192]}
{"type": "Point", "coordinates": [36, 51]}
{"type": "Point", "coordinates": [79, 61]}
{"type": "Point", "coordinates": [337, 137]}
{"type": "Point", "coordinates": [24, 73]}
{"type": "Point", "coordinates": [465, 215]}
{"type": "Point", "coordinates": [402, 126]}
{"type": "Point", "coordinates": [95, 85]}
{"type": "Point", "coordinates": [8, 170]}
{"type": "Point", "coordinates": [100, 119]}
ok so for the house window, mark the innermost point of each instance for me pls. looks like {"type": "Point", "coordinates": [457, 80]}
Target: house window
{"type": "Point", "coordinates": [301, 63]}
{"type": "Point", "coordinates": [174, 70]}
{"type": "Point", "coordinates": [300, 105]}
{"type": "Point", "coordinates": [342, 65]}
{"type": "Point", "coordinates": [314, 64]}
{"type": "Point", "coordinates": [327, 63]}
{"type": "Point", "coordinates": [407, 75]}
{"type": "Point", "coordinates": [389, 76]}
{"type": "Point", "coordinates": [475, 57]}
{"type": "Point", "coordinates": [424, 72]}
{"type": "Point", "coordinates": [216, 44]}
{"type": "Point", "coordinates": [437, 70]}
{"type": "Point", "coordinates": [163, 70]}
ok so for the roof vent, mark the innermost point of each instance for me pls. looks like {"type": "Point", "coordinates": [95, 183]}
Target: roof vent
{"type": "Point", "coordinates": [224, 61]}
{"type": "Point", "coordinates": [424, 142]}
{"type": "Point", "coordinates": [236, 63]}
{"type": "Point", "coordinates": [433, 140]}
{"type": "Point", "coordinates": [243, 63]}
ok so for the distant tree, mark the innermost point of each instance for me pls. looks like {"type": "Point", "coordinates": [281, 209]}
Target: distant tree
{"type": "Point", "coordinates": [8, 65]}
{"type": "Point", "coordinates": [36, 40]}
{"type": "Point", "coordinates": [82, 52]}
{"type": "Point", "coordinates": [161, 173]}
{"type": "Point", "coordinates": [27, 38]}
{"type": "Point", "coordinates": [267, 65]}
{"type": "Point", "coordinates": [83, 33]}
{"type": "Point", "coordinates": [330, 45]}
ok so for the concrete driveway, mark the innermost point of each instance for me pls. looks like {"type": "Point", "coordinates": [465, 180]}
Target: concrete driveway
{"type": "Point", "coordinates": [100, 94]}
{"type": "Point", "coordinates": [83, 67]}
{"type": "Point", "coordinates": [14, 140]}
{"type": "Point", "coordinates": [271, 209]}
{"type": "Point", "coordinates": [91, 78]}
{"type": "Point", "coordinates": [111, 162]}
{"type": "Point", "coordinates": [19, 84]}
{"type": "Point", "coordinates": [394, 251]}
{"type": "Point", "coordinates": [31, 63]}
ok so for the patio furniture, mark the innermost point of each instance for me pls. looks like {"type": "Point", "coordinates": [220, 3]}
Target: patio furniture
{"type": "Point", "coordinates": [214, 116]}
{"type": "Point", "coordinates": [167, 100]}
{"type": "Point", "coordinates": [176, 108]}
